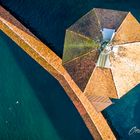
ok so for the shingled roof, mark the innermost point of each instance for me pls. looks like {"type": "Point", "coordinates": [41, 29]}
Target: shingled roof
{"type": "Point", "coordinates": [94, 66]}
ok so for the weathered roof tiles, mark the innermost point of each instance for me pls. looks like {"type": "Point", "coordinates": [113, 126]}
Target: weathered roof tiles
{"type": "Point", "coordinates": [97, 68]}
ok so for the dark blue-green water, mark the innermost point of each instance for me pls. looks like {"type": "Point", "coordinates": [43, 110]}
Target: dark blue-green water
{"type": "Point", "coordinates": [32, 103]}
{"type": "Point", "coordinates": [33, 106]}
{"type": "Point", "coordinates": [124, 115]}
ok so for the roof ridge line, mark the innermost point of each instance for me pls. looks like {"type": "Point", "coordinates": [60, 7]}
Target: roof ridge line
{"type": "Point", "coordinates": [78, 56]}
{"type": "Point", "coordinates": [80, 34]}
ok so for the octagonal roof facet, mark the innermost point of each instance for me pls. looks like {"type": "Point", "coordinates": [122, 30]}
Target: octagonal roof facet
{"type": "Point", "coordinates": [77, 45]}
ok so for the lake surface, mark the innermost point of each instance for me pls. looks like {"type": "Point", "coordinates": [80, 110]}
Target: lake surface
{"type": "Point", "coordinates": [124, 115]}
{"type": "Point", "coordinates": [32, 103]}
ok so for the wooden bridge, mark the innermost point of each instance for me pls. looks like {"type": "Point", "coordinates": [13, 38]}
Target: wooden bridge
{"type": "Point", "coordinates": [89, 107]}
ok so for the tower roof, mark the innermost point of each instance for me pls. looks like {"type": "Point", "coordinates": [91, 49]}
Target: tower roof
{"type": "Point", "coordinates": [86, 33]}
{"type": "Point", "coordinates": [93, 63]}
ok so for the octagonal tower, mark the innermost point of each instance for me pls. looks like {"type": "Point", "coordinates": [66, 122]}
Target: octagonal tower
{"type": "Point", "coordinates": [91, 47]}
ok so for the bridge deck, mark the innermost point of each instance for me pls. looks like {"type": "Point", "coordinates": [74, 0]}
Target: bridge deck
{"type": "Point", "coordinates": [94, 120]}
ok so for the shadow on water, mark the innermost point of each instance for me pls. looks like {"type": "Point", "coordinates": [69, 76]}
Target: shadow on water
{"type": "Point", "coordinates": [52, 97]}
{"type": "Point", "coordinates": [48, 19]}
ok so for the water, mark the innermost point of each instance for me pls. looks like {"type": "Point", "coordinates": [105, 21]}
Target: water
{"type": "Point", "coordinates": [33, 106]}
{"type": "Point", "coordinates": [44, 111]}
{"type": "Point", "coordinates": [124, 114]}
{"type": "Point", "coordinates": [48, 19]}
